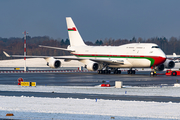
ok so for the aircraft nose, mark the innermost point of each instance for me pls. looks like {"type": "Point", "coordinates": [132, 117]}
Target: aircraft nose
{"type": "Point", "coordinates": [160, 58]}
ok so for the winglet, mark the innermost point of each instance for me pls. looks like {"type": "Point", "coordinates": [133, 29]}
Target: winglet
{"type": "Point", "coordinates": [7, 55]}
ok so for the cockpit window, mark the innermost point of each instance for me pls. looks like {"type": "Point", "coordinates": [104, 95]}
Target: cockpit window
{"type": "Point", "coordinates": [155, 46]}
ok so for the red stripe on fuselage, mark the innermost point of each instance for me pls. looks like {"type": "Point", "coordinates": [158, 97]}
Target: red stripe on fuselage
{"type": "Point", "coordinates": [157, 59]}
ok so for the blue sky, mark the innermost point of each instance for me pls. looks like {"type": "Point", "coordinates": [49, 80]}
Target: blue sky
{"type": "Point", "coordinates": [95, 19]}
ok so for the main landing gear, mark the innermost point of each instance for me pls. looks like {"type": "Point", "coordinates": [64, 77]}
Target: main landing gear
{"type": "Point", "coordinates": [108, 71]}
{"type": "Point", "coordinates": [131, 71]}
{"type": "Point", "coordinates": [117, 71]}
{"type": "Point", "coordinates": [104, 71]}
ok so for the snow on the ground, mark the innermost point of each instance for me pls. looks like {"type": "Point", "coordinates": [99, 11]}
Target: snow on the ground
{"type": "Point", "coordinates": [60, 108]}
{"type": "Point", "coordinates": [83, 109]}
{"type": "Point", "coordinates": [141, 91]}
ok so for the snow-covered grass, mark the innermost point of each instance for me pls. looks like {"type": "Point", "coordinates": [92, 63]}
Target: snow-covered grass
{"type": "Point", "coordinates": [60, 108]}
{"type": "Point", "coordinates": [83, 109]}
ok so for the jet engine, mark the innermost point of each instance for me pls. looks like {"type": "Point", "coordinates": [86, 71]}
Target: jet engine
{"type": "Point", "coordinates": [93, 66]}
{"type": "Point", "coordinates": [159, 67]}
{"type": "Point", "coordinates": [53, 63]}
{"type": "Point", "coordinates": [169, 64]}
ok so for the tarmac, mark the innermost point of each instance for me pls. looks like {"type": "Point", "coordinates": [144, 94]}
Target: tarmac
{"type": "Point", "coordinates": [141, 79]}
{"type": "Point", "coordinates": [92, 96]}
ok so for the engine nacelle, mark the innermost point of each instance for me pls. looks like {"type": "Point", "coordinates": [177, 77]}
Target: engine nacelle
{"type": "Point", "coordinates": [53, 63]}
{"type": "Point", "coordinates": [93, 66]}
{"type": "Point", "coordinates": [159, 67]}
{"type": "Point", "coordinates": [169, 64]}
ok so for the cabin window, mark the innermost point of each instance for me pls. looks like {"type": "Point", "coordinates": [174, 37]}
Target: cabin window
{"type": "Point", "coordinates": [139, 47]}
{"type": "Point", "coordinates": [155, 46]}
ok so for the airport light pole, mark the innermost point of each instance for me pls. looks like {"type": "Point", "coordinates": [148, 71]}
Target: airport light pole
{"type": "Point", "coordinates": [25, 50]}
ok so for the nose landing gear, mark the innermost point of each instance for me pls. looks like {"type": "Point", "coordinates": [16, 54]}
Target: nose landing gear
{"type": "Point", "coordinates": [153, 71]}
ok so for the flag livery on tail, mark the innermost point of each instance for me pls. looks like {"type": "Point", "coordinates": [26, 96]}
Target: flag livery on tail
{"type": "Point", "coordinates": [74, 36]}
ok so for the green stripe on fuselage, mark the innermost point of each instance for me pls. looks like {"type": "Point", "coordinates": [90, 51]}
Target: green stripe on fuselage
{"type": "Point", "coordinates": [150, 59]}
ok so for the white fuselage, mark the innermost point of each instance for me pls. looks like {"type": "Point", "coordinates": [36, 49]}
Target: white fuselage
{"type": "Point", "coordinates": [134, 55]}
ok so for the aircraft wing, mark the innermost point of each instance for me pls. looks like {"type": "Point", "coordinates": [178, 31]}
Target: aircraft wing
{"type": "Point", "coordinates": [174, 56]}
{"type": "Point", "coordinates": [114, 62]}
{"type": "Point", "coordinates": [57, 57]}
{"type": "Point", "coordinates": [7, 55]}
{"type": "Point", "coordinates": [68, 58]}
{"type": "Point", "coordinates": [57, 48]}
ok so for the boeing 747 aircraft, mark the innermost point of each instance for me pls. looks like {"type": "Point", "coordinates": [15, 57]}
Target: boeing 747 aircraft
{"type": "Point", "coordinates": [107, 59]}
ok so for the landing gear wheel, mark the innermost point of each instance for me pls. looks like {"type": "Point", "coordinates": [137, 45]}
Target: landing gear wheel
{"type": "Point", "coordinates": [100, 71]}
{"type": "Point", "coordinates": [117, 72]}
{"type": "Point", "coordinates": [152, 73]}
{"type": "Point", "coordinates": [104, 71]}
{"type": "Point", "coordinates": [174, 73]}
{"type": "Point", "coordinates": [131, 71]}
